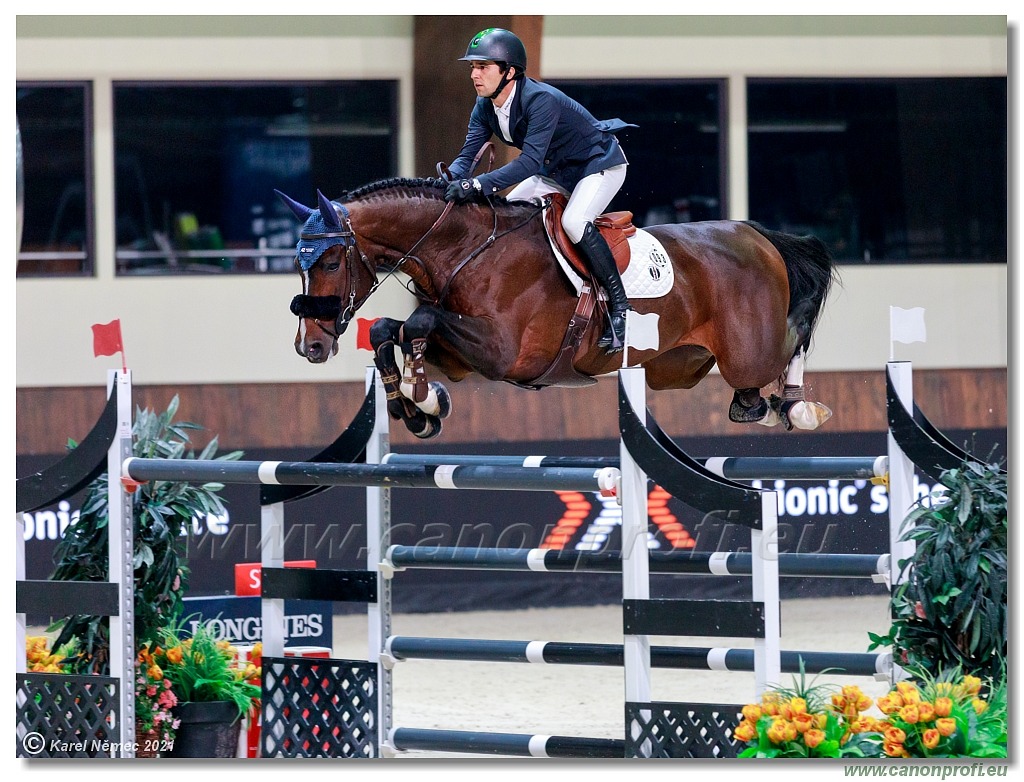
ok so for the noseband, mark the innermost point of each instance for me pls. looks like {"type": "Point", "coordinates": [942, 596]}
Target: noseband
{"type": "Point", "coordinates": [321, 308]}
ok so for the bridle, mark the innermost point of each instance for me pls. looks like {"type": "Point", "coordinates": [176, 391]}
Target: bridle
{"type": "Point", "coordinates": [320, 308]}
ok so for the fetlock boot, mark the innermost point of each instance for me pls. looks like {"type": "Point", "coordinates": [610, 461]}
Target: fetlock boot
{"type": "Point", "coordinates": [602, 263]}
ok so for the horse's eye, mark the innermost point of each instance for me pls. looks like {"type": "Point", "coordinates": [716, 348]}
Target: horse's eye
{"type": "Point", "coordinates": [332, 267]}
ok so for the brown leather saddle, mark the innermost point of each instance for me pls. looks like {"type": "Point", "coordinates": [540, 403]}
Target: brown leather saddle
{"type": "Point", "coordinates": [615, 227]}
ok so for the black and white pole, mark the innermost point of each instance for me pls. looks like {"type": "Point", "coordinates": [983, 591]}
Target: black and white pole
{"type": "Point", "coordinates": [120, 528]}
{"type": "Point", "coordinates": [901, 475]}
{"type": "Point", "coordinates": [378, 539]}
{"type": "Point", "coordinates": [635, 564]}
{"type": "Point", "coordinates": [764, 548]}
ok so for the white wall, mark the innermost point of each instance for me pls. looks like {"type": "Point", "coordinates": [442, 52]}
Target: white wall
{"type": "Point", "coordinates": [238, 329]}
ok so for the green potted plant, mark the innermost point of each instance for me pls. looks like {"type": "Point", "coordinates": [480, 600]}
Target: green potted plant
{"type": "Point", "coordinates": [949, 612]}
{"type": "Point", "coordinates": [163, 512]}
{"type": "Point", "coordinates": [211, 687]}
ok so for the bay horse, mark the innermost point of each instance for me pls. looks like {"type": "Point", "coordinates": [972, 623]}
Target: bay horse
{"type": "Point", "coordinates": [493, 301]}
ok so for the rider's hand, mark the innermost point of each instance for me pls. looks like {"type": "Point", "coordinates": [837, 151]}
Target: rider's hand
{"type": "Point", "coordinates": [462, 190]}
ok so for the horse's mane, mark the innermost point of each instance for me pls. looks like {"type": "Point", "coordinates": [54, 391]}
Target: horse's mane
{"type": "Point", "coordinates": [430, 188]}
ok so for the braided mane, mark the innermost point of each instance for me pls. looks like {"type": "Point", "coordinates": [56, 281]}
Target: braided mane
{"type": "Point", "coordinates": [404, 187]}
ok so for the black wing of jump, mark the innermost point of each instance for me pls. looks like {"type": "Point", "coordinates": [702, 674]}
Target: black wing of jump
{"type": "Point", "coordinates": [682, 476]}
{"type": "Point", "coordinates": [350, 447]}
{"type": "Point", "coordinates": [918, 438]}
{"type": "Point", "coordinates": [75, 471]}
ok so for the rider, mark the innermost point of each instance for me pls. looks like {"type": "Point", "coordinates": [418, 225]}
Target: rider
{"type": "Point", "coordinates": [564, 149]}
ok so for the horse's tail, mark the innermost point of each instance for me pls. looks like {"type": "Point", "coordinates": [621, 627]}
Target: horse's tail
{"type": "Point", "coordinates": [811, 272]}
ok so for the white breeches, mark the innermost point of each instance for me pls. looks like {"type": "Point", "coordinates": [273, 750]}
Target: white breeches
{"type": "Point", "coordinates": [590, 198]}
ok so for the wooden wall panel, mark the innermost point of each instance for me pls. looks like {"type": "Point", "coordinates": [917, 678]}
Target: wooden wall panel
{"type": "Point", "coordinates": [443, 97]}
{"type": "Point", "coordinates": [310, 415]}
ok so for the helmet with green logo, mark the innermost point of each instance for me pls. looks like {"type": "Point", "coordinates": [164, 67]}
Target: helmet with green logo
{"type": "Point", "coordinates": [497, 45]}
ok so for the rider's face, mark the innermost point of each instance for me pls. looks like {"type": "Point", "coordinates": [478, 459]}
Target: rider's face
{"type": "Point", "coordinates": [486, 76]}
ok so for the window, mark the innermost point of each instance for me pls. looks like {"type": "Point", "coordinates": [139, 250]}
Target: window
{"type": "Point", "coordinates": [197, 166]}
{"type": "Point", "coordinates": [56, 150]}
{"type": "Point", "coordinates": [675, 155]}
{"type": "Point", "coordinates": [883, 170]}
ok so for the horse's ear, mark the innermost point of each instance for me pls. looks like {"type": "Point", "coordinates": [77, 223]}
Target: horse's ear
{"type": "Point", "coordinates": [327, 211]}
{"type": "Point", "coordinates": [300, 211]}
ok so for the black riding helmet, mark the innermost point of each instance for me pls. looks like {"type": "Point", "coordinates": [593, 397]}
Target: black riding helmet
{"type": "Point", "coordinates": [499, 46]}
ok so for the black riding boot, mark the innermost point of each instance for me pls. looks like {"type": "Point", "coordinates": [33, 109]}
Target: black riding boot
{"type": "Point", "coordinates": [599, 255]}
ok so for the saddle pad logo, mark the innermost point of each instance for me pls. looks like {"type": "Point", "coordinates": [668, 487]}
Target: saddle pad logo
{"type": "Point", "coordinates": [649, 275]}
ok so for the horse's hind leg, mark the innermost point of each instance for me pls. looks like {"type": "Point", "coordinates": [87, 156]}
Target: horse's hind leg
{"type": "Point", "coordinates": [383, 336]}
{"type": "Point", "coordinates": [795, 411]}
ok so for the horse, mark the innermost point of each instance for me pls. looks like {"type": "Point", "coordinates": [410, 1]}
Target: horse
{"type": "Point", "coordinates": [493, 301]}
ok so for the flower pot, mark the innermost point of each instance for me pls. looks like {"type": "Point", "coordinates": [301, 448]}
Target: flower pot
{"type": "Point", "coordinates": [207, 730]}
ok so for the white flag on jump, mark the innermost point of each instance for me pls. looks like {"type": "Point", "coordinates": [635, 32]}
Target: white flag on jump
{"type": "Point", "coordinates": [907, 326]}
{"type": "Point", "coordinates": [642, 330]}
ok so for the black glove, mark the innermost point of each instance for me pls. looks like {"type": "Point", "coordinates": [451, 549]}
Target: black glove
{"type": "Point", "coordinates": [461, 191]}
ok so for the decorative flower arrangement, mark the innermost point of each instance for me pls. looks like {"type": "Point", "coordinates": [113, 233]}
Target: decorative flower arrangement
{"type": "Point", "coordinates": [946, 717]}
{"type": "Point", "coordinates": [41, 659]}
{"type": "Point", "coordinates": [154, 700]}
{"type": "Point", "coordinates": [809, 722]}
{"type": "Point", "coordinates": [202, 668]}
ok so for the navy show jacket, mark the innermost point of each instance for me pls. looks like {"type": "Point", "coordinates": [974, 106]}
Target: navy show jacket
{"type": "Point", "coordinates": [558, 137]}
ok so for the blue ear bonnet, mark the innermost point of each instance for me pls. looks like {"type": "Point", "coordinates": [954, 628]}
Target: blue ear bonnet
{"type": "Point", "coordinates": [321, 238]}
{"type": "Point", "coordinates": [322, 228]}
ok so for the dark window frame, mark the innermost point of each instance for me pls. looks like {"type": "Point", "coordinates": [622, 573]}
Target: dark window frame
{"type": "Point", "coordinates": [87, 261]}
{"type": "Point", "coordinates": [890, 233]}
{"type": "Point", "coordinates": [191, 269]}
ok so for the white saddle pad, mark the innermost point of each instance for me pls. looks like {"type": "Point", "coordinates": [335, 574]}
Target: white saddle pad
{"type": "Point", "coordinates": [649, 275]}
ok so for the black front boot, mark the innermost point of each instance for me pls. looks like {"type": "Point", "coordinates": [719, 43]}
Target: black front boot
{"type": "Point", "coordinates": [599, 255]}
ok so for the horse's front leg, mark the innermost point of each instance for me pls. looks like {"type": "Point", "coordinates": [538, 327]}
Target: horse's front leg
{"type": "Point", "coordinates": [430, 397]}
{"type": "Point", "coordinates": [384, 334]}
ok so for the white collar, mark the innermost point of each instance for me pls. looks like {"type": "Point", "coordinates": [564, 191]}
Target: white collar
{"type": "Point", "coordinates": [506, 107]}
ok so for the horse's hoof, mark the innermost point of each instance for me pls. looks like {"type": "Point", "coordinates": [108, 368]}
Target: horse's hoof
{"type": "Point", "coordinates": [748, 415]}
{"type": "Point", "coordinates": [444, 399]}
{"type": "Point", "coordinates": [805, 415]}
{"type": "Point", "coordinates": [431, 427]}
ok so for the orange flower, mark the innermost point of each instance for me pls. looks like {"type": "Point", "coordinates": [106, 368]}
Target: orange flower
{"type": "Point", "coordinates": [803, 722]}
{"type": "Point", "coordinates": [930, 738]}
{"type": "Point", "coordinates": [926, 710]}
{"type": "Point", "coordinates": [813, 738]}
{"type": "Point", "coordinates": [946, 726]}
{"type": "Point", "coordinates": [887, 704]}
{"type": "Point", "coordinates": [798, 705]}
{"type": "Point", "coordinates": [943, 706]}
{"type": "Point", "coordinates": [971, 685]}
{"type": "Point", "coordinates": [820, 720]}
{"type": "Point", "coordinates": [154, 673]}
{"type": "Point", "coordinates": [895, 735]}
{"type": "Point", "coordinates": [895, 750]}
{"type": "Point", "coordinates": [745, 731]}
{"type": "Point", "coordinates": [979, 705]}
{"type": "Point", "coordinates": [903, 688]}
{"type": "Point", "coordinates": [752, 712]}
{"type": "Point", "coordinates": [779, 732]}
{"type": "Point", "coordinates": [175, 655]}
{"type": "Point", "coordinates": [910, 713]}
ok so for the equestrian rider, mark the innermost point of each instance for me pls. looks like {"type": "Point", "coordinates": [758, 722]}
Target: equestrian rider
{"type": "Point", "coordinates": [564, 149]}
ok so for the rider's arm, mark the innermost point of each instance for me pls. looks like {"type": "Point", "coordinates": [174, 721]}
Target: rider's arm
{"type": "Point", "coordinates": [541, 116]}
{"type": "Point", "coordinates": [478, 134]}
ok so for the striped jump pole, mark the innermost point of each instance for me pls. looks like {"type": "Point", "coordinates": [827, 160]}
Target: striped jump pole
{"type": "Point", "coordinates": [695, 658]}
{"type": "Point", "coordinates": [736, 468]}
{"type": "Point", "coordinates": [873, 566]}
{"type": "Point", "coordinates": [438, 476]}
{"type": "Point", "coordinates": [515, 744]}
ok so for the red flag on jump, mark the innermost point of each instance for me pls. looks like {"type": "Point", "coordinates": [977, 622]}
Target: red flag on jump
{"type": "Point", "coordinates": [106, 340]}
{"type": "Point", "coordinates": [363, 335]}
